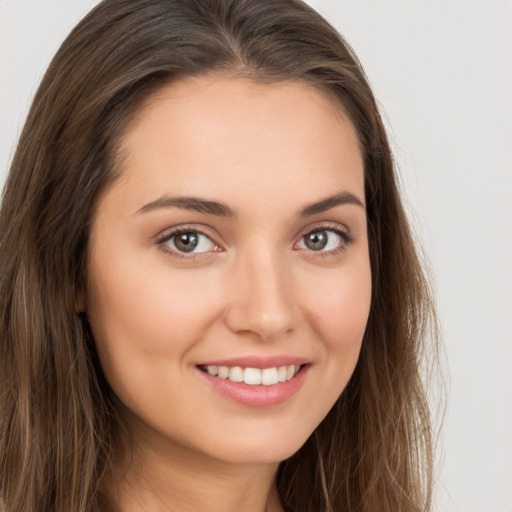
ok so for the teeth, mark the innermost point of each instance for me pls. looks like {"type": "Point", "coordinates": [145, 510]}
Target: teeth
{"type": "Point", "coordinates": [212, 370]}
{"type": "Point", "coordinates": [269, 376]}
{"type": "Point", "coordinates": [223, 372]}
{"type": "Point", "coordinates": [236, 374]}
{"type": "Point", "coordinates": [254, 376]}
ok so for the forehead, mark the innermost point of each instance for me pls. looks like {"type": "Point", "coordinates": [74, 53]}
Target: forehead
{"type": "Point", "coordinates": [220, 136]}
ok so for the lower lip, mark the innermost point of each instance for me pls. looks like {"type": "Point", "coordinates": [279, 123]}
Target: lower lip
{"type": "Point", "coordinates": [257, 396]}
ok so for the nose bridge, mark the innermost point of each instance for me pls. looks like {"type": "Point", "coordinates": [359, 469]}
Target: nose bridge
{"type": "Point", "coordinates": [262, 300]}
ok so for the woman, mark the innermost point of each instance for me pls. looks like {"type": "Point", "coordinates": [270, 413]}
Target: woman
{"type": "Point", "coordinates": [210, 296]}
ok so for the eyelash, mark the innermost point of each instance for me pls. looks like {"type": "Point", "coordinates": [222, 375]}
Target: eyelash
{"type": "Point", "coordinates": [345, 236]}
{"type": "Point", "coordinates": [346, 239]}
{"type": "Point", "coordinates": [161, 243]}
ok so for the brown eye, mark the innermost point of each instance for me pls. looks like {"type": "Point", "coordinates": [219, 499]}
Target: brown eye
{"type": "Point", "coordinates": [186, 242]}
{"type": "Point", "coordinates": [324, 240]}
{"type": "Point", "coordinates": [316, 240]}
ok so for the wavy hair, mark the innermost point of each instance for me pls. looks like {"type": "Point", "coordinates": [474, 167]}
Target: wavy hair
{"type": "Point", "coordinates": [59, 417]}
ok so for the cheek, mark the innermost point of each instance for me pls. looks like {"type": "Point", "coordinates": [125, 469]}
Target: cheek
{"type": "Point", "coordinates": [342, 306]}
{"type": "Point", "coordinates": [146, 318]}
{"type": "Point", "coordinates": [339, 309]}
{"type": "Point", "coordinates": [145, 327]}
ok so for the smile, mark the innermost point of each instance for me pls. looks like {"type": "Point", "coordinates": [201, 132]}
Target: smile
{"type": "Point", "coordinates": [253, 376]}
{"type": "Point", "coordinates": [256, 381]}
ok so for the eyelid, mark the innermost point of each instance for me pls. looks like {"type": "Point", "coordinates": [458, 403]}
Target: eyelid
{"type": "Point", "coordinates": [167, 234]}
{"type": "Point", "coordinates": [326, 226]}
{"type": "Point", "coordinates": [339, 229]}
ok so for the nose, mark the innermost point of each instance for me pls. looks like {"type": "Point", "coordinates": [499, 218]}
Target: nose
{"type": "Point", "coordinates": [262, 300]}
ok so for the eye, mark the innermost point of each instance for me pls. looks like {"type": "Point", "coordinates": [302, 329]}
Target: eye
{"type": "Point", "coordinates": [188, 242]}
{"type": "Point", "coordinates": [324, 240]}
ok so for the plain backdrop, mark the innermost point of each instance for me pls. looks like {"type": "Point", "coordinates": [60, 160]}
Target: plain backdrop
{"type": "Point", "coordinates": [442, 72]}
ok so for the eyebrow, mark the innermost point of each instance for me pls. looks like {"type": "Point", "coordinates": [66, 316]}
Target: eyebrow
{"type": "Point", "coordinates": [190, 203]}
{"type": "Point", "coordinates": [222, 210]}
{"type": "Point", "coordinates": [330, 202]}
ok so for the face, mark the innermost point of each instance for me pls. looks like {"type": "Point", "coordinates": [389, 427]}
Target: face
{"type": "Point", "coordinates": [229, 276]}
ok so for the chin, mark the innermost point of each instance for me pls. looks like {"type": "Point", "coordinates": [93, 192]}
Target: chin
{"type": "Point", "coordinates": [262, 448]}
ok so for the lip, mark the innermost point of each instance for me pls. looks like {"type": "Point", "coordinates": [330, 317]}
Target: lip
{"type": "Point", "coordinates": [256, 395]}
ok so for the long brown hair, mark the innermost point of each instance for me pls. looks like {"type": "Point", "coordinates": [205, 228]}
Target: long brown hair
{"type": "Point", "coordinates": [59, 418]}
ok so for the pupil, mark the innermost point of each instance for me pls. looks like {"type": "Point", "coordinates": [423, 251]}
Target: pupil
{"type": "Point", "coordinates": [186, 242]}
{"type": "Point", "coordinates": [316, 241]}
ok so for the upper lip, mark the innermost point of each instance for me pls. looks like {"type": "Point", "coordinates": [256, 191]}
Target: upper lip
{"type": "Point", "coordinates": [257, 361]}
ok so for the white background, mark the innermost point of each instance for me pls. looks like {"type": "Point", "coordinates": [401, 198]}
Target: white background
{"type": "Point", "coordinates": [442, 71]}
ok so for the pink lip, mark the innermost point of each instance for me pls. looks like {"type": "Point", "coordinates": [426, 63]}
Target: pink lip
{"type": "Point", "coordinates": [256, 396]}
{"type": "Point", "coordinates": [257, 361]}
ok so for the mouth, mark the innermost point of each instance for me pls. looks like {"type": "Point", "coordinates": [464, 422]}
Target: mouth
{"type": "Point", "coordinates": [270, 376]}
{"type": "Point", "coordinates": [256, 382]}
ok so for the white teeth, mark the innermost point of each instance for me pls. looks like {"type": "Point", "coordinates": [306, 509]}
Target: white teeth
{"type": "Point", "coordinates": [254, 376]}
{"type": "Point", "coordinates": [236, 374]}
{"type": "Point", "coordinates": [269, 376]}
{"type": "Point", "coordinates": [212, 370]}
{"type": "Point", "coordinates": [223, 372]}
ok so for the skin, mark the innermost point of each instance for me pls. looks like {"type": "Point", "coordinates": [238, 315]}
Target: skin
{"type": "Point", "coordinates": [255, 287]}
